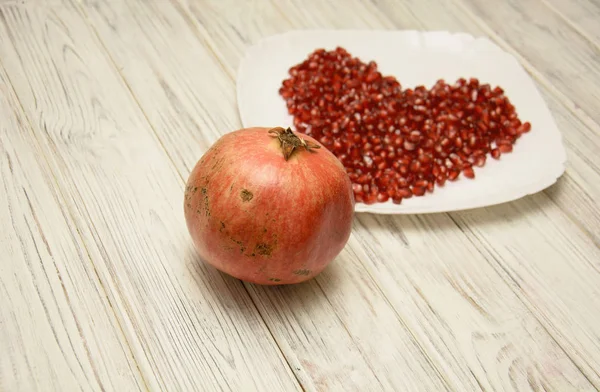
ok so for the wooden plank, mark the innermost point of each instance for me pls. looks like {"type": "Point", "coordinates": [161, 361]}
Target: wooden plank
{"type": "Point", "coordinates": [466, 312]}
{"type": "Point", "coordinates": [340, 333]}
{"type": "Point", "coordinates": [57, 329]}
{"type": "Point", "coordinates": [556, 272]}
{"type": "Point", "coordinates": [190, 327]}
{"type": "Point", "coordinates": [577, 191]}
{"type": "Point", "coordinates": [582, 16]}
{"type": "Point", "coordinates": [548, 285]}
{"type": "Point", "coordinates": [438, 298]}
{"type": "Point", "coordinates": [321, 325]}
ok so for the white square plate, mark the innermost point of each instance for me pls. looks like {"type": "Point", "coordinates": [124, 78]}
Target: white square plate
{"type": "Point", "coordinates": [419, 58]}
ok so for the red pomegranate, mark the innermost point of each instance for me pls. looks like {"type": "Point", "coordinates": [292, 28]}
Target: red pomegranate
{"type": "Point", "coordinates": [269, 206]}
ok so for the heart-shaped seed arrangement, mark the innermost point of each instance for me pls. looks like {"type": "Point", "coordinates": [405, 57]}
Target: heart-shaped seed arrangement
{"type": "Point", "coordinates": [397, 143]}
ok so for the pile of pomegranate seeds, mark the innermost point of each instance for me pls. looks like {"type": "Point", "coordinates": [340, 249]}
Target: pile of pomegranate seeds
{"type": "Point", "coordinates": [394, 142]}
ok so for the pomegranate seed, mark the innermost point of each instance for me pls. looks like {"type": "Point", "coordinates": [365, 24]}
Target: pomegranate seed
{"type": "Point", "coordinates": [415, 136]}
{"type": "Point", "coordinates": [504, 148]}
{"type": "Point", "coordinates": [452, 175]}
{"type": "Point", "coordinates": [424, 158]}
{"type": "Point", "coordinates": [480, 161]}
{"type": "Point", "coordinates": [409, 146]}
{"type": "Point", "coordinates": [415, 166]}
{"type": "Point", "coordinates": [503, 141]}
{"type": "Point", "coordinates": [468, 172]}
{"type": "Point", "coordinates": [496, 153]}
{"type": "Point", "coordinates": [472, 141]}
{"type": "Point", "coordinates": [370, 199]}
{"type": "Point", "coordinates": [418, 190]}
{"type": "Point", "coordinates": [363, 179]}
{"type": "Point", "coordinates": [382, 197]}
{"type": "Point", "coordinates": [526, 127]}
{"type": "Point", "coordinates": [405, 193]}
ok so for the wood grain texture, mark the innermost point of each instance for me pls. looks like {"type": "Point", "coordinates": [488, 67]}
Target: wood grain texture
{"type": "Point", "coordinates": [582, 16]}
{"type": "Point", "coordinates": [321, 325]}
{"type": "Point", "coordinates": [433, 295]}
{"type": "Point", "coordinates": [190, 328]}
{"type": "Point", "coordinates": [460, 308]}
{"type": "Point", "coordinates": [57, 329]}
{"type": "Point", "coordinates": [340, 333]}
{"type": "Point", "coordinates": [502, 298]}
{"type": "Point", "coordinates": [576, 193]}
{"type": "Point", "coordinates": [555, 272]}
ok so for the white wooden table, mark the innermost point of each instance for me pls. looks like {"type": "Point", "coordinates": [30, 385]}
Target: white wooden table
{"type": "Point", "coordinates": [105, 105]}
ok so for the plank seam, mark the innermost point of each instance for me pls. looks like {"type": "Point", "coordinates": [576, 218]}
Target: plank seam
{"type": "Point", "coordinates": [172, 162]}
{"type": "Point", "coordinates": [63, 200]}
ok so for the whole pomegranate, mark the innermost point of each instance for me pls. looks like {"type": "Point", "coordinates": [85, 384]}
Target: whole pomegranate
{"type": "Point", "coordinates": [269, 206]}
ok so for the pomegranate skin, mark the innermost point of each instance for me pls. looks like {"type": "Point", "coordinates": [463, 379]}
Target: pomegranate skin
{"type": "Point", "coordinates": [263, 219]}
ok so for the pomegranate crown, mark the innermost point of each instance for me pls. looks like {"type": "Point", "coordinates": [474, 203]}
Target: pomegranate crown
{"type": "Point", "coordinates": [290, 142]}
